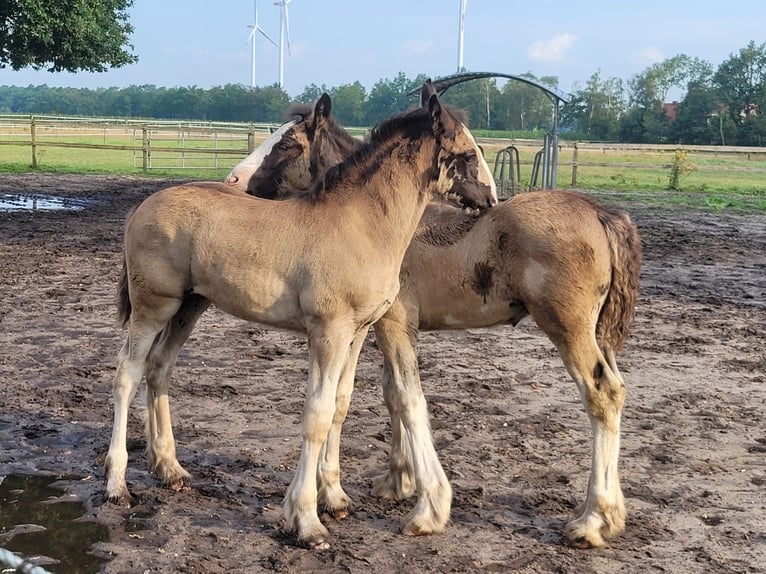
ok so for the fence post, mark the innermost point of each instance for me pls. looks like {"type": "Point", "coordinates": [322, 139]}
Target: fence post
{"type": "Point", "coordinates": [32, 132]}
{"type": "Point", "coordinates": [251, 139]}
{"type": "Point", "coordinates": [145, 149]}
{"type": "Point", "coordinates": [574, 166]}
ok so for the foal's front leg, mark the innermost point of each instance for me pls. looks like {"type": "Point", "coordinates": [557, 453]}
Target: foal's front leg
{"type": "Point", "coordinates": [398, 481]}
{"type": "Point", "coordinates": [414, 458]}
{"type": "Point", "coordinates": [328, 351]}
{"type": "Point", "coordinates": [331, 495]}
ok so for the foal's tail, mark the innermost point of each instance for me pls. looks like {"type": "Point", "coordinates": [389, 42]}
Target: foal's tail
{"type": "Point", "coordinates": [617, 313]}
{"type": "Point", "coordinates": [124, 307]}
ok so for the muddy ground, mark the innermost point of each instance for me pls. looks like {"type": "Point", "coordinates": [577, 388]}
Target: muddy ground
{"type": "Point", "coordinates": [507, 420]}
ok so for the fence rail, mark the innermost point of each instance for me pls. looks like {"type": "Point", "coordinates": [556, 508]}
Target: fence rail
{"type": "Point", "coordinates": [589, 161]}
{"type": "Point", "coordinates": [154, 144]}
{"type": "Point", "coordinates": [198, 144]}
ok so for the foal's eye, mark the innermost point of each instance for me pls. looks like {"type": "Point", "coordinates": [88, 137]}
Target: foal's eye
{"type": "Point", "coordinates": [283, 146]}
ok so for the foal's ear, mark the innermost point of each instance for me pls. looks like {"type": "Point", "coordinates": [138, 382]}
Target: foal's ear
{"type": "Point", "coordinates": [322, 110]}
{"type": "Point", "coordinates": [426, 92]}
{"type": "Point", "coordinates": [443, 123]}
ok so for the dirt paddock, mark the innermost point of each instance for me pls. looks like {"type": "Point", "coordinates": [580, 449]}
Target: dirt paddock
{"type": "Point", "coordinates": [507, 420]}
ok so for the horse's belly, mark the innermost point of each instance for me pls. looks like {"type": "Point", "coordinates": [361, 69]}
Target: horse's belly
{"type": "Point", "coordinates": [270, 301]}
{"type": "Point", "coordinates": [468, 311]}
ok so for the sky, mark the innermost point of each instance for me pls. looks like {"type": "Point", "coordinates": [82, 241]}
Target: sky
{"type": "Point", "coordinates": [203, 43]}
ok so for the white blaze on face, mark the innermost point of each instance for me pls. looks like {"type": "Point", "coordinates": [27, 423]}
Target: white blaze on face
{"type": "Point", "coordinates": [485, 174]}
{"type": "Point", "coordinates": [241, 172]}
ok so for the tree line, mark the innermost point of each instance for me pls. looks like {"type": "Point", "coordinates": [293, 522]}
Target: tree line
{"type": "Point", "coordinates": [721, 105]}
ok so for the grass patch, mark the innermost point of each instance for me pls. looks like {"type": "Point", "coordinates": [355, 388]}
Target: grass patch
{"type": "Point", "coordinates": [717, 181]}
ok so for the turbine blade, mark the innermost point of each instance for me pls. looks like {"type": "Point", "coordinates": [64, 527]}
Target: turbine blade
{"type": "Point", "coordinates": [265, 35]}
{"type": "Point", "coordinates": [287, 28]}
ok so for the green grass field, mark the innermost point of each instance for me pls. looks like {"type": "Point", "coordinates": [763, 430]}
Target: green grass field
{"type": "Point", "coordinates": [715, 181]}
{"type": "Point", "coordinates": [173, 154]}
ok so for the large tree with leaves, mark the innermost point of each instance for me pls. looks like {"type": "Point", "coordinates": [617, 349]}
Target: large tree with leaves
{"type": "Point", "coordinates": [65, 35]}
{"type": "Point", "coordinates": [389, 97]}
{"type": "Point", "coordinates": [522, 106]}
{"type": "Point", "coordinates": [348, 103]}
{"type": "Point", "coordinates": [595, 110]}
{"type": "Point", "coordinates": [645, 121]}
{"type": "Point", "coordinates": [741, 83]}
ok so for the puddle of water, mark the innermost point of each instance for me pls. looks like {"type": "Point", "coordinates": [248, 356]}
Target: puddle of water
{"type": "Point", "coordinates": [37, 519]}
{"type": "Point", "coordinates": [25, 202]}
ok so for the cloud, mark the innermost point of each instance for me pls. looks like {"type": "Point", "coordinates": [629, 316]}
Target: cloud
{"type": "Point", "coordinates": [650, 55]}
{"type": "Point", "coordinates": [552, 49]}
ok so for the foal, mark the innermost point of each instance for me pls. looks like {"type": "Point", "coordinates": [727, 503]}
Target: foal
{"type": "Point", "coordinates": [326, 265]}
{"type": "Point", "coordinates": [569, 263]}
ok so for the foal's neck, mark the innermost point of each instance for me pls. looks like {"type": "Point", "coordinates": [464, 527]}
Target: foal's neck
{"type": "Point", "coordinates": [388, 185]}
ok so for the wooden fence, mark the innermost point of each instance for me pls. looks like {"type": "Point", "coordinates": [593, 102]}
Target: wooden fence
{"type": "Point", "coordinates": [211, 145]}
{"type": "Point", "coordinates": [153, 144]}
{"type": "Point", "coordinates": [514, 162]}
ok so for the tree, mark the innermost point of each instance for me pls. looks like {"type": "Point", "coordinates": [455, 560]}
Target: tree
{"type": "Point", "coordinates": [741, 82]}
{"type": "Point", "coordinates": [701, 118]}
{"type": "Point", "coordinates": [269, 103]}
{"type": "Point", "coordinates": [312, 93]}
{"type": "Point", "coordinates": [65, 35]}
{"type": "Point", "coordinates": [389, 97]}
{"type": "Point", "coordinates": [348, 103]}
{"type": "Point", "coordinates": [645, 121]}
{"type": "Point", "coordinates": [524, 107]}
{"type": "Point", "coordinates": [478, 98]}
{"type": "Point", "coordinates": [594, 112]}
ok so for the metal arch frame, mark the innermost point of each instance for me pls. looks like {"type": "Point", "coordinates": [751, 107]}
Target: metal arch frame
{"type": "Point", "coordinates": [551, 145]}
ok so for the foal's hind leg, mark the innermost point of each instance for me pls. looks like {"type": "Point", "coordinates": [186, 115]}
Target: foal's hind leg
{"type": "Point", "coordinates": [160, 443]}
{"type": "Point", "coordinates": [331, 495]}
{"type": "Point", "coordinates": [142, 332]}
{"type": "Point", "coordinates": [603, 393]}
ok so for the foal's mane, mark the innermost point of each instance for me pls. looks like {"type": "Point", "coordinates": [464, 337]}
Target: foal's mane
{"type": "Point", "coordinates": [410, 125]}
{"type": "Point", "coordinates": [305, 115]}
{"type": "Point", "coordinates": [443, 224]}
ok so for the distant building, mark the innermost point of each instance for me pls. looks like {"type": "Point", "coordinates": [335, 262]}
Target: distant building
{"type": "Point", "coordinates": [671, 109]}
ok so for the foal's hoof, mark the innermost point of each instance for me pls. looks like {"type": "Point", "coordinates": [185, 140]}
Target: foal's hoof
{"type": "Point", "coordinates": [414, 530]}
{"type": "Point", "coordinates": [583, 538]}
{"type": "Point", "coordinates": [387, 487]}
{"type": "Point", "coordinates": [183, 483]}
{"type": "Point", "coordinates": [339, 513]}
{"type": "Point", "coordinates": [317, 543]}
{"type": "Point", "coordinates": [581, 543]}
{"type": "Point", "coordinates": [423, 525]}
{"type": "Point", "coordinates": [121, 500]}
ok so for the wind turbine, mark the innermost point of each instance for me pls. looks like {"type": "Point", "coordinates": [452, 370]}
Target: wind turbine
{"type": "Point", "coordinates": [251, 38]}
{"type": "Point", "coordinates": [460, 36]}
{"type": "Point", "coordinates": [284, 33]}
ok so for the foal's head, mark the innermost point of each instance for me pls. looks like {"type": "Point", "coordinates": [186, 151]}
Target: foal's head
{"type": "Point", "coordinates": [240, 174]}
{"type": "Point", "coordinates": [315, 142]}
{"type": "Point", "coordinates": [461, 164]}
{"type": "Point", "coordinates": [303, 149]}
